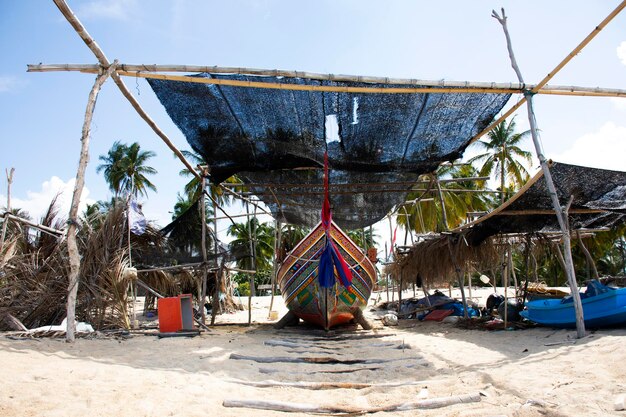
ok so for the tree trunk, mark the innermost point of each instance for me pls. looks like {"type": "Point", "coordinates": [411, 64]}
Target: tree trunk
{"type": "Point", "coordinates": [72, 246]}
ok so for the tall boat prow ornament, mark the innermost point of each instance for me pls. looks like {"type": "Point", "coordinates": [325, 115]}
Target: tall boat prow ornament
{"type": "Point", "coordinates": [326, 279]}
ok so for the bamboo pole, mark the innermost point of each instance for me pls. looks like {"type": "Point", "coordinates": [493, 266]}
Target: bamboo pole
{"type": "Point", "coordinates": [561, 217]}
{"type": "Point", "coordinates": [459, 274]}
{"type": "Point", "coordinates": [419, 86]}
{"type": "Point", "coordinates": [351, 184]}
{"type": "Point", "coordinates": [444, 216]}
{"type": "Point", "coordinates": [538, 87]}
{"type": "Point", "coordinates": [72, 246]}
{"type": "Point", "coordinates": [202, 295]}
{"type": "Point", "coordinates": [277, 246]}
{"type": "Point", "coordinates": [104, 62]}
{"type": "Point", "coordinates": [219, 273]}
{"type": "Point", "coordinates": [8, 208]}
{"type": "Point", "coordinates": [41, 227]}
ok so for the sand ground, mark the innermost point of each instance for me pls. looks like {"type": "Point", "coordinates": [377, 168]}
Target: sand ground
{"type": "Point", "coordinates": [533, 372]}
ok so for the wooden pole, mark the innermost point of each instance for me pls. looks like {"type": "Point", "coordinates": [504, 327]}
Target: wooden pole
{"type": "Point", "coordinates": [409, 85]}
{"type": "Point", "coordinates": [588, 256]}
{"type": "Point", "coordinates": [104, 62]}
{"type": "Point", "coordinates": [535, 89]}
{"type": "Point", "coordinates": [219, 274]}
{"type": "Point", "coordinates": [251, 279]}
{"type": "Point", "coordinates": [459, 274]}
{"type": "Point", "coordinates": [444, 216]}
{"type": "Point", "coordinates": [8, 210]}
{"type": "Point", "coordinates": [72, 245]}
{"type": "Point", "coordinates": [277, 247]}
{"type": "Point", "coordinates": [202, 295]}
{"type": "Point", "coordinates": [571, 275]}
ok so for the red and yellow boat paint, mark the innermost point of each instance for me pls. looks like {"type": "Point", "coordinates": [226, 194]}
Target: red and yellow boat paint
{"type": "Point", "coordinates": [298, 280]}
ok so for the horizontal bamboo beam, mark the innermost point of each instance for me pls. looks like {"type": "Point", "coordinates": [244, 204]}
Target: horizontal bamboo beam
{"type": "Point", "coordinates": [105, 63]}
{"type": "Point", "coordinates": [536, 89]}
{"type": "Point", "coordinates": [373, 191]}
{"type": "Point", "coordinates": [41, 227]}
{"type": "Point", "coordinates": [419, 86]}
{"type": "Point", "coordinates": [543, 212]}
{"type": "Point", "coordinates": [349, 185]}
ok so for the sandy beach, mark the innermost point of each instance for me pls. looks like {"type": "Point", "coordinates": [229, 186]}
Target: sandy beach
{"type": "Point", "coordinates": [532, 372]}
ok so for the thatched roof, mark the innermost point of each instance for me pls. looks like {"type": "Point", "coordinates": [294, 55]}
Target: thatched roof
{"type": "Point", "coordinates": [598, 200]}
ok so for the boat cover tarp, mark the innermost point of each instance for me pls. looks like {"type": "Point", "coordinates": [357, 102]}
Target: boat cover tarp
{"type": "Point", "coordinates": [259, 133]}
{"type": "Point", "coordinates": [591, 188]}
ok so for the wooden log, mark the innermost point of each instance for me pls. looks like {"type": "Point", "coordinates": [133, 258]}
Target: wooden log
{"type": "Point", "coordinates": [14, 323]}
{"type": "Point", "coordinates": [360, 319]}
{"type": "Point", "coordinates": [350, 370]}
{"type": "Point", "coordinates": [315, 360]}
{"type": "Point", "coordinates": [289, 319]}
{"type": "Point", "coordinates": [325, 385]}
{"type": "Point", "coordinates": [338, 409]}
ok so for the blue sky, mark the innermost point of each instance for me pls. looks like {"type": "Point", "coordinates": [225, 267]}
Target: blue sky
{"type": "Point", "coordinates": [41, 114]}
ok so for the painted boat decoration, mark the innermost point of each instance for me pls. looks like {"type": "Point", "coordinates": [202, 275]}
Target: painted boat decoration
{"type": "Point", "coordinates": [307, 297]}
{"type": "Point", "coordinates": [603, 306]}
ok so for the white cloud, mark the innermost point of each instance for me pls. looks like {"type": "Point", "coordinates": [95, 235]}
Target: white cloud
{"type": "Point", "coordinates": [36, 203]}
{"type": "Point", "coordinates": [10, 83]}
{"type": "Point", "coordinates": [602, 149]}
{"type": "Point", "coordinates": [621, 52]}
{"type": "Point", "coordinates": [106, 9]}
{"type": "Point", "coordinates": [619, 103]}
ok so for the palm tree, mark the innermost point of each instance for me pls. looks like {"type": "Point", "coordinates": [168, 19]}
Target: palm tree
{"type": "Point", "coordinates": [112, 166]}
{"type": "Point", "coordinates": [185, 232]}
{"type": "Point", "coordinates": [259, 236]}
{"type": "Point", "coordinates": [125, 169]}
{"type": "Point", "coordinates": [194, 187]}
{"type": "Point", "coordinates": [424, 212]}
{"type": "Point", "coordinates": [504, 157]}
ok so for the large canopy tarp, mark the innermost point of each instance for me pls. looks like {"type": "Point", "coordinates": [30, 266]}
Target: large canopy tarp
{"type": "Point", "coordinates": [598, 201]}
{"type": "Point", "coordinates": [259, 133]}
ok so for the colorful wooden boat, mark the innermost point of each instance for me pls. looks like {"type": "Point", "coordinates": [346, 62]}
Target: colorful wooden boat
{"type": "Point", "coordinates": [603, 306]}
{"type": "Point", "coordinates": [299, 285]}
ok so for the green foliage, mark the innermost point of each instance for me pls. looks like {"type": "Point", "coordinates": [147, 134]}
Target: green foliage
{"type": "Point", "coordinates": [194, 187]}
{"type": "Point", "coordinates": [125, 169]}
{"type": "Point", "coordinates": [503, 157]}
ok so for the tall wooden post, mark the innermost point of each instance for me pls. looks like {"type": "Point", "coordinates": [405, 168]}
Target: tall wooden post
{"type": "Point", "coordinates": [567, 247]}
{"type": "Point", "coordinates": [72, 246]}
{"type": "Point", "coordinates": [277, 246]}
{"type": "Point", "coordinates": [6, 218]}
{"type": "Point", "coordinates": [205, 266]}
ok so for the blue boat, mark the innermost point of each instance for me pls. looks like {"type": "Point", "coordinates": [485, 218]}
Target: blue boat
{"type": "Point", "coordinates": [603, 306]}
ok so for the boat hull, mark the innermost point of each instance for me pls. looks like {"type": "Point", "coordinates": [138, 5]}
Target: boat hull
{"type": "Point", "coordinates": [602, 310]}
{"type": "Point", "coordinates": [298, 280]}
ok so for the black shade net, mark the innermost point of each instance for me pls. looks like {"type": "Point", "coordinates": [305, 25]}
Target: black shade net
{"type": "Point", "coordinates": [264, 134]}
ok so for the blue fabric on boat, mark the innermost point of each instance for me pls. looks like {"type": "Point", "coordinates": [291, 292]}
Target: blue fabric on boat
{"type": "Point", "coordinates": [594, 287]}
{"type": "Point", "coordinates": [326, 273]}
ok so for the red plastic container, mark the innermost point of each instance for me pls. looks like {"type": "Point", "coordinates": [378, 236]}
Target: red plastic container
{"type": "Point", "coordinates": [175, 313]}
